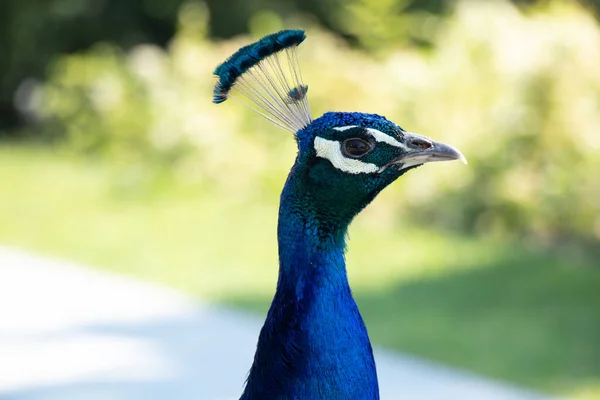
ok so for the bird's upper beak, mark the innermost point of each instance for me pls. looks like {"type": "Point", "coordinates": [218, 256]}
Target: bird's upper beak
{"type": "Point", "coordinates": [423, 150]}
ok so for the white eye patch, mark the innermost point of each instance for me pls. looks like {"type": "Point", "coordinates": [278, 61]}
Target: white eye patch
{"type": "Point", "coordinates": [331, 150]}
{"type": "Point", "coordinates": [377, 135]}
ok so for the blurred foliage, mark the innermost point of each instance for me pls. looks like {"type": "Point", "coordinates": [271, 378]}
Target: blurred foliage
{"type": "Point", "coordinates": [518, 93]}
{"type": "Point", "coordinates": [33, 32]}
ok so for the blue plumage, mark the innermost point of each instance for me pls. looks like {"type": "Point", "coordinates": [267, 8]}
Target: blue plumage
{"type": "Point", "coordinates": [314, 343]}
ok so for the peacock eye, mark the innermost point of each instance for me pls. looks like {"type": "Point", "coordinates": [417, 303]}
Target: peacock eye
{"type": "Point", "coordinates": [356, 147]}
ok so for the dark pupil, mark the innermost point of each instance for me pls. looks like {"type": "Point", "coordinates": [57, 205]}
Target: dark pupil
{"type": "Point", "coordinates": [356, 147]}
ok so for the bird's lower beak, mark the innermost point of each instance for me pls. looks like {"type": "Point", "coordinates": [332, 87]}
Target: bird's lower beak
{"type": "Point", "coordinates": [424, 150]}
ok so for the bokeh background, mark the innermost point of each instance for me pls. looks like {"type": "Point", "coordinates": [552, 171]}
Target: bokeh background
{"type": "Point", "coordinates": [112, 154]}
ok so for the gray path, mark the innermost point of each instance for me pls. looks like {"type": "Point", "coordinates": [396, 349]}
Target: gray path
{"type": "Point", "coordinates": [68, 332]}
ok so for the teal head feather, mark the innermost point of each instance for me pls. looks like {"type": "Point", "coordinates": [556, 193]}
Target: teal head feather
{"type": "Point", "coordinates": [251, 55]}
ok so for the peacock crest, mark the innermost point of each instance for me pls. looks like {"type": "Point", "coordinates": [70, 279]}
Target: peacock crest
{"type": "Point", "coordinates": [266, 77]}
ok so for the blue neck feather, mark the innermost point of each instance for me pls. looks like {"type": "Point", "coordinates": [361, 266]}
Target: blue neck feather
{"type": "Point", "coordinates": [314, 344]}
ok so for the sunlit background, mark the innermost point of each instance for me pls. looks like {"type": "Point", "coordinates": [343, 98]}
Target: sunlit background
{"type": "Point", "coordinates": [112, 154]}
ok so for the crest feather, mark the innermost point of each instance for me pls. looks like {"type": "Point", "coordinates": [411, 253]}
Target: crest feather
{"type": "Point", "coordinates": [267, 74]}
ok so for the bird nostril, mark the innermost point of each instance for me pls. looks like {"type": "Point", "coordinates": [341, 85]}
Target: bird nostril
{"type": "Point", "coordinates": [420, 144]}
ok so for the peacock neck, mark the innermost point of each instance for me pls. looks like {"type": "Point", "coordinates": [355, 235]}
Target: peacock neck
{"type": "Point", "coordinates": [314, 343]}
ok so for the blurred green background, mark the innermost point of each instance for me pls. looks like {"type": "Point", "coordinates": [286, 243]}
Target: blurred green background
{"type": "Point", "coordinates": [112, 154]}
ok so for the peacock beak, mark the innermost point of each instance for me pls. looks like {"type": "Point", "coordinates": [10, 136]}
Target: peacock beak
{"type": "Point", "coordinates": [423, 150]}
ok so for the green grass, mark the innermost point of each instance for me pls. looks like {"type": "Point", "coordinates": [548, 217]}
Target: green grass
{"type": "Point", "coordinates": [497, 308]}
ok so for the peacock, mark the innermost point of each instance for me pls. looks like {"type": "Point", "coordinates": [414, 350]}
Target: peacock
{"type": "Point", "coordinates": [314, 343]}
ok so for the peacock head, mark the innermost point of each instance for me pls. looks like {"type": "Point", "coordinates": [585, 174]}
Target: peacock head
{"type": "Point", "coordinates": [345, 158]}
{"type": "Point", "coordinates": [350, 157]}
